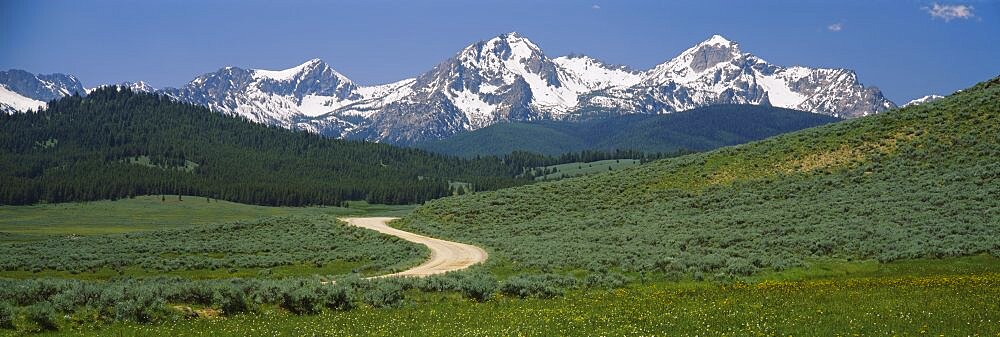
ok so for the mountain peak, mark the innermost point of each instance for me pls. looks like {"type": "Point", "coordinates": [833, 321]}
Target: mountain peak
{"type": "Point", "coordinates": [512, 39]}
{"type": "Point", "coordinates": [507, 46]}
{"type": "Point", "coordinates": [291, 73]}
{"type": "Point", "coordinates": [716, 49]}
{"type": "Point", "coordinates": [511, 35]}
{"type": "Point", "coordinates": [718, 40]}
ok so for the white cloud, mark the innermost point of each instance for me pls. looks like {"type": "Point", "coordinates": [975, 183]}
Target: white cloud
{"type": "Point", "coordinates": [835, 27]}
{"type": "Point", "coordinates": [596, 6]}
{"type": "Point", "coordinates": [950, 12]}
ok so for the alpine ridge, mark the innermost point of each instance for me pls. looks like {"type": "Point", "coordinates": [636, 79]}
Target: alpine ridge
{"type": "Point", "coordinates": [23, 91]}
{"type": "Point", "coordinates": [509, 78]}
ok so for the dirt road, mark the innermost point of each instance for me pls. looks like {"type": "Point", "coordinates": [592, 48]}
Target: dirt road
{"type": "Point", "coordinates": [445, 255]}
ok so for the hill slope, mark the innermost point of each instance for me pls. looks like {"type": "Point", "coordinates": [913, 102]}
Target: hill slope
{"type": "Point", "coordinates": [698, 129]}
{"type": "Point", "coordinates": [920, 181]}
{"type": "Point", "coordinates": [115, 143]}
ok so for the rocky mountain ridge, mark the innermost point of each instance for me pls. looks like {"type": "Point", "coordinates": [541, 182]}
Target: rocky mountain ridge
{"type": "Point", "coordinates": [510, 78]}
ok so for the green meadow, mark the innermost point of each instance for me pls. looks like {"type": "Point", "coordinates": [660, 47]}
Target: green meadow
{"type": "Point", "coordinates": [154, 212]}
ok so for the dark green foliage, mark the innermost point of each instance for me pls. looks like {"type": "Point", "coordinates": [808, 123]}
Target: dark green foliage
{"type": "Point", "coordinates": [302, 298]}
{"type": "Point", "coordinates": [693, 130]}
{"type": "Point", "coordinates": [538, 286]}
{"type": "Point", "coordinates": [115, 144]}
{"type": "Point", "coordinates": [438, 283]}
{"type": "Point", "coordinates": [7, 314]}
{"type": "Point", "coordinates": [916, 182]}
{"type": "Point", "coordinates": [143, 300]}
{"type": "Point", "coordinates": [27, 293]}
{"type": "Point", "coordinates": [192, 293]}
{"type": "Point", "coordinates": [479, 287]}
{"type": "Point", "coordinates": [72, 295]}
{"type": "Point", "coordinates": [265, 243]}
{"type": "Point", "coordinates": [383, 294]}
{"type": "Point", "coordinates": [338, 297]}
{"type": "Point", "coordinates": [142, 307]}
{"type": "Point", "coordinates": [43, 317]}
{"type": "Point", "coordinates": [232, 300]}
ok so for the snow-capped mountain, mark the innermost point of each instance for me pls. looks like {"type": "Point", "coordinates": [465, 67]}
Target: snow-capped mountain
{"type": "Point", "coordinates": [23, 91]}
{"type": "Point", "coordinates": [922, 100]}
{"type": "Point", "coordinates": [716, 71]}
{"type": "Point", "coordinates": [501, 79]}
{"type": "Point", "coordinates": [267, 96]}
{"type": "Point", "coordinates": [509, 78]}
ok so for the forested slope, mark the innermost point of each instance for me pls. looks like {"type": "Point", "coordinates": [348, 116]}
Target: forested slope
{"type": "Point", "coordinates": [921, 181]}
{"type": "Point", "coordinates": [698, 129]}
{"type": "Point", "coordinates": [115, 143]}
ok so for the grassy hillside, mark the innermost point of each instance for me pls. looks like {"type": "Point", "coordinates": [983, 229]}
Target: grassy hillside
{"type": "Point", "coordinates": [193, 237]}
{"type": "Point", "coordinates": [114, 144]}
{"type": "Point", "coordinates": [915, 182]}
{"type": "Point", "coordinates": [570, 170]}
{"type": "Point", "coordinates": [694, 130]}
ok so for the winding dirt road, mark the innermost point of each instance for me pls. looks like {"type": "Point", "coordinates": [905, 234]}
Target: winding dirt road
{"type": "Point", "coordinates": [445, 255]}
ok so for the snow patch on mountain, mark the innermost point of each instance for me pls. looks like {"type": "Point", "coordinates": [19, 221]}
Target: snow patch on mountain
{"type": "Point", "coordinates": [923, 100]}
{"type": "Point", "coordinates": [590, 74]}
{"type": "Point", "coordinates": [779, 93]}
{"type": "Point", "coordinates": [12, 102]}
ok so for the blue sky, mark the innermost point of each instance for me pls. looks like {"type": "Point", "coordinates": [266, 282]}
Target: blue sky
{"type": "Point", "coordinates": [907, 48]}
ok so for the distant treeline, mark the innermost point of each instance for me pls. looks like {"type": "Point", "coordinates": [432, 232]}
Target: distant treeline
{"type": "Point", "coordinates": [530, 159]}
{"type": "Point", "coordinates": [699, 129]}
{"type": "Point", "coordinates": [115, 143]}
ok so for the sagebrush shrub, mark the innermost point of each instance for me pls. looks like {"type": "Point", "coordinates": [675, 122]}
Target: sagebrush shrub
{"type": "Point", "coordinates": [301, 299]}
{"type": "Point", "coordinates": [338, 297]}
{"type": "Point", "coordinates": [141, 308]}
{"type": "Point", "coordinates": [43, 316]}
{"type": "Point", "coordinates": [539, 286]}
{"type": "Point", "coordinates": [7, 314]}
{"type": "Point", "coordinates": [479, 287]}
{"type": "Point", "coordinates": [383, 294]}
{"type": "Point", "coordinates": [232, 300]}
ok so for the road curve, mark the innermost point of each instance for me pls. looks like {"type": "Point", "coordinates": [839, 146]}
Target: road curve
{"type": "Point", "coordinates": [445, 255]}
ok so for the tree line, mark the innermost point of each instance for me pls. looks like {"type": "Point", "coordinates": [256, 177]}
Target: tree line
{"type": "Point", "coordinates": [115, 143]}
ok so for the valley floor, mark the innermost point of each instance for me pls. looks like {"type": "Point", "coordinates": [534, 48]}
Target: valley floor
{"type": "Point", "coordinates": [949, 296]}
{"type": "Point", "coordinates": [926, 297]}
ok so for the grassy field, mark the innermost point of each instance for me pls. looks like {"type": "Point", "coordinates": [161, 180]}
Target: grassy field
{"type": "Point", "coordinates": [170, 236]}
{"type": "Point", "coordinates": [146, 213]}
{"type": "Point", "coordinates": [582, 169]}
{"type": "Point", "coordinates": [918, 297]}
{"type": "Point", "coordinates": [296, 245]}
